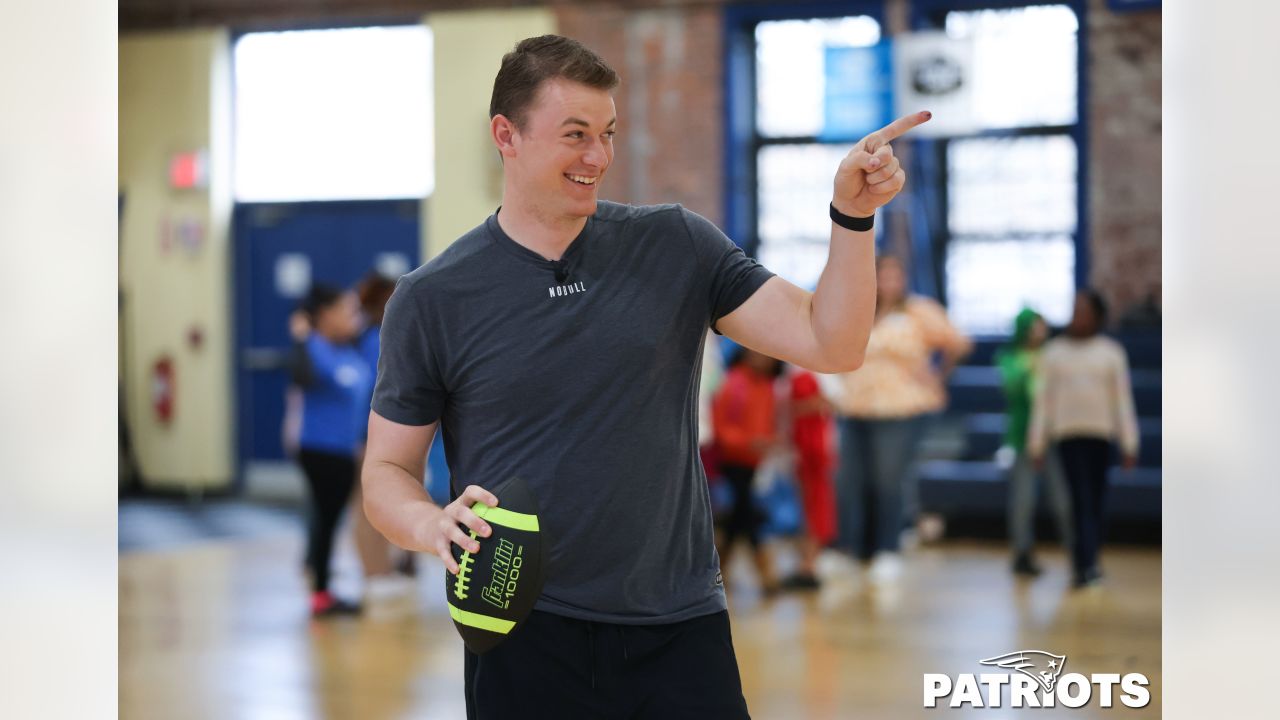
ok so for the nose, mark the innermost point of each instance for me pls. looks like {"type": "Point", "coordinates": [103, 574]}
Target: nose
{"type": "Point", "coordinates": [596, 156]}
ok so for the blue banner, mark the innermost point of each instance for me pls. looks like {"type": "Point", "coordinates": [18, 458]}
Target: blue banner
{"type": "Point", "coordinates": [858, 96]}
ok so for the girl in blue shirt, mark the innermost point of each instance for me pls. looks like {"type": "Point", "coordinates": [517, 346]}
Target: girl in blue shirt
{"type": "Point", "coordinates": [335, 409]}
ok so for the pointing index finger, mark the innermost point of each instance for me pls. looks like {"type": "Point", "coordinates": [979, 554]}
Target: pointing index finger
{"type": "Point", "coordinates": [899, 127]}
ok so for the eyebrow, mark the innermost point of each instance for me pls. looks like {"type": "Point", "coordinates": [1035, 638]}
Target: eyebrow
{"type": "Point", "coordinates": [584, 123]}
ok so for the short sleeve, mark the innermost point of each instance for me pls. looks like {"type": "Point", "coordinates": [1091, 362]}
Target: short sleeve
{"type": "Point", "coordinates": [938, 331]}
{"type": "Point", "coordinates": [409, 390]}
{"type": "Point", "coordinates": [731, 276]}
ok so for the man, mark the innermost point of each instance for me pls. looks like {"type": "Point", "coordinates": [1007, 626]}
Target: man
{"type": "Point", "coordinates": [560, 341]}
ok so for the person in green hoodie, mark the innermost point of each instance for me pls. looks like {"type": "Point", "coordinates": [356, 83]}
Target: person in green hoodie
{"type": "Point", "coordinates": [1018, 363]}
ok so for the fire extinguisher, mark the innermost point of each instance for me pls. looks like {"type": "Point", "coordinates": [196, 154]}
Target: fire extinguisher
{"type": "Point", "coordinates": [162, 389]}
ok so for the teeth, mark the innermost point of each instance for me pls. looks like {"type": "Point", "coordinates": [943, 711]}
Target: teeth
{"type": "Point", "coordinates": [582, 179]}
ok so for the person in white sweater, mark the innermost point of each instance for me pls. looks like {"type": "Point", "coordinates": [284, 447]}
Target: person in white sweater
{"type": "Point", "coordinates": [1084, 406]}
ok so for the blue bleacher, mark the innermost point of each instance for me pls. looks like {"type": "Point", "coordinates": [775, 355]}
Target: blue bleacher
{"type": "Point", "coordinates": [985, 433]}
{"type": "Point", "coordinates": [976, 389]}
{"type": "Point", "coordinates": [959, 487]}
{"type": "Point", "coordinates": [967, 483]}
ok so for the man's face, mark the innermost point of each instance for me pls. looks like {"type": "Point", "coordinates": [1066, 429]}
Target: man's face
{"type": "Point", "coordinates": [565, 147]}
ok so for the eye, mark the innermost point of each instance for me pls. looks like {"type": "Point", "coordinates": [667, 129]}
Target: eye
{"type": "Point", "coordinates": [576, 135]}
{"type": "Point", "coordinates": [610, 133]}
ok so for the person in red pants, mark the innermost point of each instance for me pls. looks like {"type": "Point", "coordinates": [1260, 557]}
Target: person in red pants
{"type": "Point", "coordinates": [811, 430]}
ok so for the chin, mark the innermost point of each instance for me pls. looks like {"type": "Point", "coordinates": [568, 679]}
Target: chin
{"type": "Point", "coordinates": [582, 208]}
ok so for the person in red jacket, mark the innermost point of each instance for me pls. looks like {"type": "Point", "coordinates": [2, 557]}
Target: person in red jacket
{"type": "Point", "coordinates": [743, 416]}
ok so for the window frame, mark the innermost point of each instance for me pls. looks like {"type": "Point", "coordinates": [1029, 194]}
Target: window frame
{"type": "Point", "coordinates": [931, 15]}
{"type": "Point", "coordinates": [742, 140]}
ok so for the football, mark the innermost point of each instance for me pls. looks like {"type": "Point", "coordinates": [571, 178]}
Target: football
{"type": "Point", "coordinates": [495, 589]}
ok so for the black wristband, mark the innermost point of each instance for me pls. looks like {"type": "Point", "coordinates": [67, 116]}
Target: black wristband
{"type": "Point", "coordinates": [849, 222]}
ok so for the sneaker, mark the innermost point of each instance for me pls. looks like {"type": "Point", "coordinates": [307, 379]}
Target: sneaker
{"type": "Point", "coordinates": [834, 564]}
{"type": "Point", "coordinates": [931, 527]}
{"type": "Point", "coordinates": [325, 605]}
{"type": "Point", "coordinates": [885, 568]}
{"type": "Point", "coordinates": [1024, 565]}
{"type": "Point", "coordinates": [801, 581]}
{"type": "Point", "coordinates": [1088, 579]}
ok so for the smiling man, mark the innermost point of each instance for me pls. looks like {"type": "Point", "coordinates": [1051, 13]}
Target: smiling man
{"type": "Point", "coordinates": [561, 341]}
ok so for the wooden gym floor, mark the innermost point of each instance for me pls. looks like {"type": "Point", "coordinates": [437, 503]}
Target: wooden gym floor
{"type": "Point", "coordinates": [219, 629]}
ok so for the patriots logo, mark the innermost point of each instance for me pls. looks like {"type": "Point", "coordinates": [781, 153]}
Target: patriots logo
{"type": "Point", "coordinates": [1042, 666]}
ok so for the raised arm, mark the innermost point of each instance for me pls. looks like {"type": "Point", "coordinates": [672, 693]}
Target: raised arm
{"type": "Point", "coordinates": [827, 330]}
{"type": "Point", "coordinates": [397, 504]}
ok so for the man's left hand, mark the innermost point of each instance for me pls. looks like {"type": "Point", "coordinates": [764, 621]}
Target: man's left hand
{"type": "Point", "coordinates": [870, 176]}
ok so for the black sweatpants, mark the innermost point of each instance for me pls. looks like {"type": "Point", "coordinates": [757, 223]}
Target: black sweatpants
{"type": "Point", "coordinates": [331, 478]}
{"type": "Point", "coordinates": [744, 519]}
{"type": "Point", "coordinates": [1085, 462]}
{"type": "Point", "coordinates": [556, 667]}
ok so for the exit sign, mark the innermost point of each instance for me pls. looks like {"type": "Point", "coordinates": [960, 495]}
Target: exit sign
{"type": "Point", "coordinates": [189, 170]}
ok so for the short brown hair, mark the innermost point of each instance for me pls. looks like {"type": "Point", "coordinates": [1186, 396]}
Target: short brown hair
{"type": "Point", "coordinates": [538, 59]}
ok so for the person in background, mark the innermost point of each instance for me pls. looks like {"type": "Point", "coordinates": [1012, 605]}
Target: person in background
{"type": "Point", "coordinates": [383, 579]}
{"type": "Point", "coordinates": [811, 435]}
{"type": "Point", "coordinates": [709, 380]}
{"type": "Point", "coordinates": [883, 407]}
{"type": "Point", "coordinates": [1018, 363]}
{"type": "Point", "coordinates": [1083, 406]}
{"type": "Point", "coordinates": [335, 390]}
{"type": "Point", "coordinates": [743, 415]}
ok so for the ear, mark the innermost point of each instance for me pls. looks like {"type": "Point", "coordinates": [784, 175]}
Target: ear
{"type": "Point", "coordinates": [504, 134]}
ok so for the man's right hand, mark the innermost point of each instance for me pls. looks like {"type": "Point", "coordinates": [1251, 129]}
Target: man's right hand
{"type": "Point", "coordinates": [440, 529]}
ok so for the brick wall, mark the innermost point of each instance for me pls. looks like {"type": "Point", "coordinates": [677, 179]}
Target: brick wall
{"type": "Point", "coordinates": [670, 104]}
{"type": "Point", "coordinates": [1124, 153]}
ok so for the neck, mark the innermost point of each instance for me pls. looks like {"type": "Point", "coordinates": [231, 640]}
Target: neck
{"type": "Point", "coordinates": [885, 305]}
{"type": "Point", "coordinates": [533, 227]}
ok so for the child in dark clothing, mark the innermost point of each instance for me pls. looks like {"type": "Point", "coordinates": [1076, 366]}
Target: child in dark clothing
{"type": "Point", "coordinates": [745, 429]}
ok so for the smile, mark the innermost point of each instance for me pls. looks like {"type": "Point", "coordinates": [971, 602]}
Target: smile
{"type": "Point", "coordinates": [582, 179]}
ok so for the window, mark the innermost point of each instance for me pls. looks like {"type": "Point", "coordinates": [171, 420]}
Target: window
{"type": "Point", "coordinates": [797, 149]}
{"type": "Point", "coordinates": [992, 218]}
{"type": "Point", "coordinates": [1024, 64]}
{"type": "Point", "coordinates": [1012, 192]}
{"type": "Point", "coordinates": [334, 114]}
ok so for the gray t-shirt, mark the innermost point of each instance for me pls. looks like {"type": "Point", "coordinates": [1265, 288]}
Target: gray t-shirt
{"type": "Point", "coordinates": [586, 386]}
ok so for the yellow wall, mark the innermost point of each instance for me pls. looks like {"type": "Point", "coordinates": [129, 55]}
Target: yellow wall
{"type": "Point", "coordinates": [175, 97]}
{"type": "Point", "coordinates": [468, 51]}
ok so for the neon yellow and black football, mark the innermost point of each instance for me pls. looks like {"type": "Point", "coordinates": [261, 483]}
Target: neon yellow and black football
{"type": "Point", "coordinates": [495, 589]}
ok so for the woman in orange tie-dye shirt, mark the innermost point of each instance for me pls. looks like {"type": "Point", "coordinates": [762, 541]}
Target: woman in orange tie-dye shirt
{"type": "Point", "coordinates": [882, 408]}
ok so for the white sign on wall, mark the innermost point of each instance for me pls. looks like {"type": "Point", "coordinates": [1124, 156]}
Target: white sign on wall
{"type": "Point", "coordinates": [933, 71]}
{"type": "Point", "coordinates": [293, 275]}
{"type": "Point", "coordinates": [391, 265]}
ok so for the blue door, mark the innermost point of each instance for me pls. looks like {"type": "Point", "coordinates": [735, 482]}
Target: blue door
{"type": "Point", "coordinates": [280, 249]}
